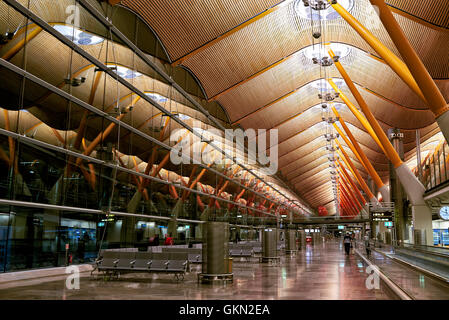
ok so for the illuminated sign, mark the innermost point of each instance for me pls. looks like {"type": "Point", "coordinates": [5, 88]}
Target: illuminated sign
{"type": "Point", "coordinates": [388, 224]}
{"type": "Point", "coordinates": [382, 216]}
{"type": "Point", "coordinates": [341, 227]}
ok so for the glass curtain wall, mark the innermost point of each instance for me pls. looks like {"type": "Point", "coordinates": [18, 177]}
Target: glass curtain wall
{"type": "Point", "coordinates": [85, 163]}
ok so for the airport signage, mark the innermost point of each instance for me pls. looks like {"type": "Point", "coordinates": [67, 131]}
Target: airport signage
{"type": "Point", "coordinates": [382, 216]}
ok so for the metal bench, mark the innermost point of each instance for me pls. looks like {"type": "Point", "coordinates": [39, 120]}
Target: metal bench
{"type": "Point", "coordinates": [243, 251]}
{"type": "Point", "coordinates": [115, 263]}
{"type": "Point", "coordinates": [194, 255]}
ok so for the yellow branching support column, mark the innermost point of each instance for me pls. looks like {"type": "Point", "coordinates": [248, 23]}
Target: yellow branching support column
{"type": "Point", "coordinates": [436, 101]}
{"type": "Point", "coordinates": [390, 58]}
{"type": "Point", "coordinates": [344, 173]}
{"type": "Point", "coordinates": [357, 113]}
{"type": "Point", "coordinates": [362, 182]}
{"type": "Point", "coordinates": [422, 215]}
{"type": "Point", "coordinates": [363, 158]}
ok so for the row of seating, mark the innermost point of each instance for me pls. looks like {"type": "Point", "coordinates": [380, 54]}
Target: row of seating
{"type": "Point", "coordinates": [184, 246]}
{"type": "Point", "coordinates": [237, 250]}
{"type": "Point", "coordinates": [116, 263]}
{"type": "Point", "coordinates": [124, 249]}
{"type": "Point", "coordinates": [194, 255]}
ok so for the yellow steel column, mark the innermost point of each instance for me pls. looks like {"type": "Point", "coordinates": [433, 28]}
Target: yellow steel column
{"type": "Point", "coordinates": [355, 147]}
{"type": "Point", "coordinates": [354, 186]}
{"type": "Point", "coordinates": [390, 58]}
{"type": "Point", "coordinates": [349, 202]}
{"type": "Point", "coordinates": [422, 215]}
{"type": "Point", "coordinates": [357, 114]}
{"type": "Point", "coordinates": [437, 102]}
{"type": "Point", "coordinates": [351, 195]}
{"type": "Point", "coordinates": [362, 182]}
{"type": "Point", "coordinates": [387, 146]}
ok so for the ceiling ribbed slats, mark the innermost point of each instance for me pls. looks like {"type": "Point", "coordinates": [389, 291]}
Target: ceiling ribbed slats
{"type": "Point", "coordinates": [433, 11]}
{"type": "Point", "coordinates": [279, 35]}
{"type": "Point", "coordinates": [184, 25]}
{"type": "Point", "coordinates": [435, 59]}
{"type": "Point", "coordinates": [261, 76]}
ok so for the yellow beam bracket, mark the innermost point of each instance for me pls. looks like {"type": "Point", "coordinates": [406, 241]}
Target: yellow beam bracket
{"type": "Point", "coordinates": [354, 186]}
{"type": "Point", "coordinates": [350, 187]}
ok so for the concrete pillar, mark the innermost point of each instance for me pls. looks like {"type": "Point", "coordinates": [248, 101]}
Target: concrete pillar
{"type": "Point", "coordinates": [422, 220]}
{"type": "Point", "coordinates": [173, 223]}
{"type": "Point", "coordinates": [128, 232]}
{"type": "Point", "coordinates": [269, 243]}
{"type": "Point", "coordinates": [397, 191]}
{"type": "Point", "coordinates": [215, 248]}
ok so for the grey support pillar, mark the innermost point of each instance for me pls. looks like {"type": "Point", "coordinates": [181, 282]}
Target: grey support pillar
{"type": "Point", "coordinates": [398, 195]}
{"type": "Point", "coordinates": [269, 245]}
{"type": "Point", "coordinates": [372, 187]}
{"type": "Point", "coordinates": [290, 240]}
{"type": "Point", "coordinates": [216, 262]}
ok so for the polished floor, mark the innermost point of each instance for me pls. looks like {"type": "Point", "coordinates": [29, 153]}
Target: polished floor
{"type": "Point", "coordinates": [416, 284]}
{"type": "Point", "coordinates": [315, 273]}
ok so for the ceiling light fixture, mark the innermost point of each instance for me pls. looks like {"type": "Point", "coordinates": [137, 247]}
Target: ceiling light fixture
{"type": "Point", "coordinates": [320, 9]}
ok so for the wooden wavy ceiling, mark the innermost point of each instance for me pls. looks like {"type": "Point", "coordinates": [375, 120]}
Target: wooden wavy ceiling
{"type": "Point", "coordinates": [258, 73]}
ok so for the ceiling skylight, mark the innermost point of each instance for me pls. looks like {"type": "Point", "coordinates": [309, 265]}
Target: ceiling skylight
{"type": "Point", "coordinates": [124, 72]}
{"type": "Point", "coordinates": [78, 36]}
{"type": "Point", "coordinates": [157, 97]}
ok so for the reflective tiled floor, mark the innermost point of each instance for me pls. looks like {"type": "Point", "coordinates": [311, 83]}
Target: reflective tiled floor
{"type": "Point", "coordinates": [415, 283]}
{"type": "Point", "coordinates": [321, 272]}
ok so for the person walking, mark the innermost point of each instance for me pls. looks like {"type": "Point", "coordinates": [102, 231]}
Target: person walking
{"type": "Point", "coordinates": [367, 246]}
{"type": "Point", "coordinates": [347, 243]}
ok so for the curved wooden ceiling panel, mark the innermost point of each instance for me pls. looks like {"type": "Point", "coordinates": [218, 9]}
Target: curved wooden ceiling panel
{"type": "Point", "coordinates": [433, 11]}
{"type": "Point", "coordinates": [184, 26]}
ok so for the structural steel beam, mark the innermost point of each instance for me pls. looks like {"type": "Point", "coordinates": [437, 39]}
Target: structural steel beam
{"type": "Point", "coordinates": [436, 101]}
{"type": "Point", "coordinates": [363, 158]}
{"type": "Point", "coordinates": [412, 186]}
{"type": "Point", "coordinates": [362, 182]}
{"type": "Point", "coordinates": [266, 106]}
{"type": "Point", "coordinates": [19, 45]}
{"type": "Point", "coordinates": [354, 110]}
{"type": "Point", "coordinates": [353, 184]}
{"type": "Point", "coordinates": [235, 86]}
{"type": "Point", "coordinates": [390, 58]}
{"type": "Point", "coordinates": [351, 194]}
